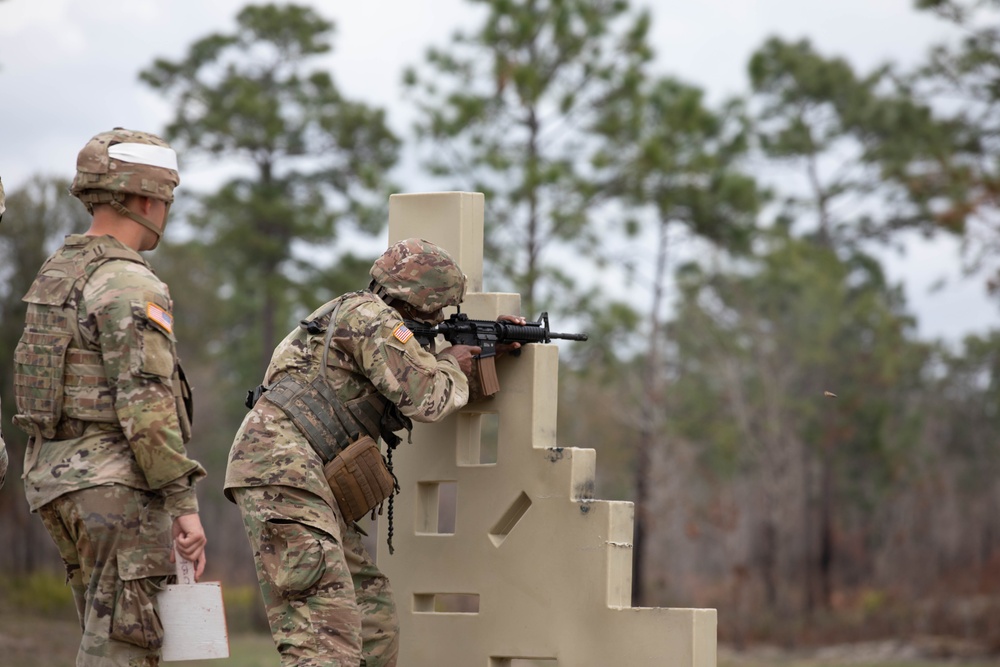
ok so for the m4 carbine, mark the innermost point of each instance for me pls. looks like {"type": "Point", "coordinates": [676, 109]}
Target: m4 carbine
{"type": "Point", "coordinates": [487, 334]}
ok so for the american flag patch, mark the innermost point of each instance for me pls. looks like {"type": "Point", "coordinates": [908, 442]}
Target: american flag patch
{"type": "Point", "coordinates": [401, 333]}
{"type": "Point", "coordinates": [159, 316]}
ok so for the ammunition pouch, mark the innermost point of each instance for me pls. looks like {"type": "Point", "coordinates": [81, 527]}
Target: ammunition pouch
{"type": "Point", "coordinates": [40, 359]}
{"type": "Point", "coordinates": [344, 435]}
{"type": "Point", "coordinates": [329, 424]}
{"type": "Point", "coordinates": [359, 479]}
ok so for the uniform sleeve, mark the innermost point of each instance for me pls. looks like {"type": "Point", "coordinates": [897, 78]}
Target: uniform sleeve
{"type": "Point", "coordinates": [426, 388]}
{"type": "Point", "coordinates": [131, 312]}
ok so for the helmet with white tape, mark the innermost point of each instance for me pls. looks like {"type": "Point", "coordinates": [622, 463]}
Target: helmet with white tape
{"type": "Point", "coordinates": [119, 163]}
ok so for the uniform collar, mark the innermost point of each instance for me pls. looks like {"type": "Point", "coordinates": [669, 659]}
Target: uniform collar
{"type": "Point", "coordinates": [79, 240]}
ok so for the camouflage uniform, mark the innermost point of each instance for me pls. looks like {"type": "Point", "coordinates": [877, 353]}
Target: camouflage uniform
{"type": "Point", "coordinates": [99, 391]}
{"type": "Point", "coordinates": [327, 602]}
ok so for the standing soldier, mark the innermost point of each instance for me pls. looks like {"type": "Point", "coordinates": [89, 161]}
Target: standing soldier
{"type": "Point", "coordinates": [101, 394]}
{"type": "Point", "coordinates": [3, 447]}
{"type": "Point", "coordinates": [305, 464]}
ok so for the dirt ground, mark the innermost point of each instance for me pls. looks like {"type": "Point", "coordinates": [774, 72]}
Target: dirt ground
{"type": "Point", "coordinates": [37, 641]}
{"type": "Point", "coordinates": [917, 651]}
{"type": "Point", "coordinates": [32, 641]}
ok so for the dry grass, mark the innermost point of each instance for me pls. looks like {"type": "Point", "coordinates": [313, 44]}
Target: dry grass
{"type": "Point", "coordinates": [50, 640]}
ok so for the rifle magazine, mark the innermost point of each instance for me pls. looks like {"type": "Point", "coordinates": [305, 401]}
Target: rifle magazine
{"type": "Point", "coordinates": [486, 369]}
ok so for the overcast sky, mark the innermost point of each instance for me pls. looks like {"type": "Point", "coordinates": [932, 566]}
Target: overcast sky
{"type": "Point", "coordinates": [68, 70]}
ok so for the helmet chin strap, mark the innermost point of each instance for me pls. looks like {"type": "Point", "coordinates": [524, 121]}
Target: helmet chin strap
{"type": "Point", "coordinates": [405, 309]}
{"type": "Point", "coordinates": [145, 222]}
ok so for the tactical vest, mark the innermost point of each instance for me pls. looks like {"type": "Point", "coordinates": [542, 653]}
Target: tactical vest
{"type": "Point", "coordinates": [59, 385]}
{"type": "Point", "coordinates": [328, 423]}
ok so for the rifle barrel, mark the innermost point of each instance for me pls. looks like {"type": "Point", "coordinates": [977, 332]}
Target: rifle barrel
{"type": "Point", "coordinates": [569, 336]}
{"type": "Point", "coordinates": [534, 333]}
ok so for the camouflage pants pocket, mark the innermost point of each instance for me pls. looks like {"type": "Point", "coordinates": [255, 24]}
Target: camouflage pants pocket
{"type": "Point", "coordinates": [142, 574]}
{"type": "Point", "coordinates": [292, 557]}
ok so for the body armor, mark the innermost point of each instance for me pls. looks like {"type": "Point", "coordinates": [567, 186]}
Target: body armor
{"type": "Point", "coordinates": [59, 384]}
{"type": "Point", "coordinates": [329, 424]}
{"type": "Point", "coordinates": [344, 434]}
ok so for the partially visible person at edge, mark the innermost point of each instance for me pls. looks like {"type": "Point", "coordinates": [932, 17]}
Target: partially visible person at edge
{"type": "Point", "coordinates": [3, 447]}
{"type": "Point", "coordinates": [102, 396]}
{"type": "Point", "coordinates": [350, 373]}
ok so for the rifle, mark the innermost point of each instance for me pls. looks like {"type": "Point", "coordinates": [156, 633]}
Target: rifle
{"type": "Point", "coordinates": [487, 334]}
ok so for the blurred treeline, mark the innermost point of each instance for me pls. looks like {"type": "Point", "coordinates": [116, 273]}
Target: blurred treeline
{"type": "Point", "coordinates": [725, 259]}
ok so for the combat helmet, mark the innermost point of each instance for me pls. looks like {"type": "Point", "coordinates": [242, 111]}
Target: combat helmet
{"type": "Point", "coordinates": [119, 163]}
{"type": "Point", "coordinates": [420, 273]}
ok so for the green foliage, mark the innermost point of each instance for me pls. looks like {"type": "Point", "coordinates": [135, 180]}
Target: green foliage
{"type": "Point", "coordinates": [244, 609]}
{"type": "Point", "coordinates": [316, 162]}
{"type": "Point", "coordinates": [849, 141]}
{"type": "Point", "coordinates": [671, 163]}
{"type": "Point", "coordinates": [954, 179]}
{"type": "Point", "coordinates": [39, 593]}
{"type": "Point", "coordinates": [966, 402]}
{"type": "Point", "coordinates": [611, 326]}
{"type": "Point", "coordinates": [508, 111]}
{"type": "Point", "coordinates": [757, 351]}
{"type": "Point", "coordinates": [667, 151]}
{"type": "Point", "coordinates": [959, 11]}
{"type": "Point", "coordinates": [37, 218]}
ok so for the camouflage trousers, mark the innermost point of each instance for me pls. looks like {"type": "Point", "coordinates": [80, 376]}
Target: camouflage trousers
{"type": "Point", "coordinates": [115, 542]}
{"type": "Point", "coordinates": [327, 603]}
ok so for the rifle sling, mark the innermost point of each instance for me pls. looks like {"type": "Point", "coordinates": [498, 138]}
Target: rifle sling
{"type": "Point", "coordinates": [328, 423]}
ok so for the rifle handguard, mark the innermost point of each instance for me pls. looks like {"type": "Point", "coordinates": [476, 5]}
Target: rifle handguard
{"type": "Point", "coordinates": [460, 330]}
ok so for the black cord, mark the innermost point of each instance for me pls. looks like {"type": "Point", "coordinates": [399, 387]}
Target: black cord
{"type": "Point", "coordinates": [392, 496]}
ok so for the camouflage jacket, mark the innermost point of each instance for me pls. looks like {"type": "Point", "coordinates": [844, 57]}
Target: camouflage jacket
{"type": "Point", "coordinates": [370, 351]}
{"type": "Point", "coordinates": [124, 321]}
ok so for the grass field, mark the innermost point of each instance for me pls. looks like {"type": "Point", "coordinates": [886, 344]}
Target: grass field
{"type": "Point", "coordinates": [52, 641]}
{"type": "Point", "coordinates": [38, 628]}
{"type": "Point", "coordinates": [29, 641]}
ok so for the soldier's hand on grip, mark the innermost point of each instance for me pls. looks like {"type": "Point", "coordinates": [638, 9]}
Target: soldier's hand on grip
{"type": "Point", "coordinates": [464, 355]}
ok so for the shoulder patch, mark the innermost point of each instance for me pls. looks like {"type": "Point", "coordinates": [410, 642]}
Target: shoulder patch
{"type": "Point", "coordinates": [160, 317]}
{"type": "Point", "coordinates": [401, 333]}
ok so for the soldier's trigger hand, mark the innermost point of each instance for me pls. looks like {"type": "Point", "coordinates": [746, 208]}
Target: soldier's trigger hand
{"type": "Point", "coordinates": [464, 354]}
